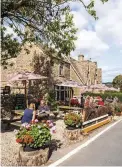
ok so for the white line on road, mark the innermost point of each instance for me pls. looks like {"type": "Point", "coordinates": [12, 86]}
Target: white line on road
{"type": "Point", "coordinates": [82, 146]}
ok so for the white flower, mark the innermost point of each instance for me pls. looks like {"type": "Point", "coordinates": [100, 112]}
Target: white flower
{"type": "Point", "coordinates": [39, 126]}
{"type": "Point", "coordinates": [16, 131]}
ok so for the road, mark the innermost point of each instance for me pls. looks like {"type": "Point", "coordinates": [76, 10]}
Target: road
{"type": "Point", "coordinates": [104, 151]}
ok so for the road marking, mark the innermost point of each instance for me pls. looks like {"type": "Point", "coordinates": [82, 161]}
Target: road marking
{"type": "Point", "coordinates": [82, 146]}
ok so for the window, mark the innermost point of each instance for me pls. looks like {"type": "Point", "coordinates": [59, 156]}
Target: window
{"type": "Point", "coordinates": [61, 70]}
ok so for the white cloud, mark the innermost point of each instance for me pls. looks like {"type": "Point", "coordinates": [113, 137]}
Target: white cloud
{"type": "Point", "coordinates": [88, 40]}
{"type": "Point", "coordinates": [110, 72]}
{"type": "Point", "coordinates": [79, 20]}
{"type": "Point", "coordinates": [109, 26]}
{"type": "Point", "coordinates": [102, 38]}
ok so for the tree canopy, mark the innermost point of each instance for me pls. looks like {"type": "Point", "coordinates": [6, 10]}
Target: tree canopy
{"type": "Point", "coordinates": [117, 82]}
{"type": "Point", "coordinates": [49, 21]}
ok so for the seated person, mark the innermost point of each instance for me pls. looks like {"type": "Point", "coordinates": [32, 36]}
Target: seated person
{"type": "Point", "coordinates": [101, 102]}
{"type": "Point", "coordinates": [43, 108]}
{"type": "Point", "coordinates": [29, 113]}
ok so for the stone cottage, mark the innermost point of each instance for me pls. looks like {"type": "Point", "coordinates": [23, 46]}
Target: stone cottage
{"type": "Point", "coordinates": [56, 70]}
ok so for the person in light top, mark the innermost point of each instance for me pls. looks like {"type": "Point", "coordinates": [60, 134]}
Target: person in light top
{"type": "Point", "coordinates": [43, 108]}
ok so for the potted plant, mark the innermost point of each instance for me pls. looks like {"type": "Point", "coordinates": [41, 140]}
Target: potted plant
{"type": "Point", "coordinates": [118, 109]}
{"type": "Point", "coordinates": [35, 139]}
{"type": "Point", "coordinates": [73, 121]}
{"type": "Point", "coordinates": [74, 102]}
{"type": "Point", "coordinates": [34, 135]}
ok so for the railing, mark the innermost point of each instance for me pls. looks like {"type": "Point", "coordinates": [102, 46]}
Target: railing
{"type": "Point", "coordinates": [95, 119]}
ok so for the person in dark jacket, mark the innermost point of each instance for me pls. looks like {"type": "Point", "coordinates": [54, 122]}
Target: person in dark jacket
{"type": "Point", "coordinates": [29, 113]}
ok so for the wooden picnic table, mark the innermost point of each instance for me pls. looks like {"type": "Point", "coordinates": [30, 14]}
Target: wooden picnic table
{"type": "Point", "coordinates": [18, 112]}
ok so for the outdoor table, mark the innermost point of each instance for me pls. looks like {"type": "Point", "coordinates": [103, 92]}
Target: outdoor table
{"type": "Point", "coordinates": [69, 108]}
{"type": "Point", "coordinates": [18, 112]}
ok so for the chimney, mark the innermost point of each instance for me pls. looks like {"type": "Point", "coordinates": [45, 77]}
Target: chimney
{"type": "Point", "coordinates": [95, 63]}
{"type": "Point", "coordinates": [81, 58]}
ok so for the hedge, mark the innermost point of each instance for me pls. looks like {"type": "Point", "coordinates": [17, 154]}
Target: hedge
{"type": "Point", "coordinates": [106, 94]}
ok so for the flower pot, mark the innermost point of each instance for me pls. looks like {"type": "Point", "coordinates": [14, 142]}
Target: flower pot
{"type": "Point", "coordinates": [73, 135]}
{"type": "Point", "coordinates": [37, 157]}
{"type": "Point", "coordinates": [118, 113]}
{"type": "Point", "coordinates": [29, 149]}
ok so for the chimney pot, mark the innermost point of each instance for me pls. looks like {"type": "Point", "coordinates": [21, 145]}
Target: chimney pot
{"type": "Point", "coordinates": [81, 58]}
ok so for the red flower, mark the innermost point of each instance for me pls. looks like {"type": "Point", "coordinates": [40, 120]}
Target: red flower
{"type": "Point", "coordinates": [19, 140]}
{"type": "Point", "coordinates": [27, 139]}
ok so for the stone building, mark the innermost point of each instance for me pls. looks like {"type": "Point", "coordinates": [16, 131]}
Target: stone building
{"type": "Point", "coordinates": [55, 69]}
{"type": "Point", "coordinates": [88, 72]}
{"type": "Point", "coordinates": [83, 71]}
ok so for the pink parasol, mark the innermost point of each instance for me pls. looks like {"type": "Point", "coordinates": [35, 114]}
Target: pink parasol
{"type": "Point", "coordinates": [25, 76]}
{"type": "Point", "coordinates": [70, 83]}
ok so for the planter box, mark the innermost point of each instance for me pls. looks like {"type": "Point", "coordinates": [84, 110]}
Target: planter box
{"type": "Point", "coordinates": [32, 158]}
{"type": "Point", "coordinates": [118, 113]}
{"type": "Point", "coordinates": [73, 135]}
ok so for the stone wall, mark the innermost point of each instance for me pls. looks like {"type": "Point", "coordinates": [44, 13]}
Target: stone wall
{"type": "Point", "coordinates": [99, 75]}
{"type": "Point", "coordinates": [88, 72]}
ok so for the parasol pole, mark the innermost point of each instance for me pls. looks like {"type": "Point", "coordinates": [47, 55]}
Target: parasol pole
{"type": "Point", "coordinates": [26, 93]}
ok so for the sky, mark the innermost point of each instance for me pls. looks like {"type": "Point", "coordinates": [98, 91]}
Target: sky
{"type": "Point", "coordinates": [100, 40]}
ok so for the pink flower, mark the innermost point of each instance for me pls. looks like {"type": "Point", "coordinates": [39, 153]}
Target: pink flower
{"type": "Point", "coordinates": [27, 126]}
{"type": "Point", "coordinates": [36, 120]}
{"type": "Point", "coordinates": [48, 121]}
{"type": "Point", "coordinates": [53, 130]}
{"type": "Point", "coordinates": [51, 125]}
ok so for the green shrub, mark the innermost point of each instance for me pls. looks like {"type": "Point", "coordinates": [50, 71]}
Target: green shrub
{"type": "Point", "coordinates": [73, 120]}
{"type": "Point", "coordinates": [118, 107]}
{"type": "Point", "coordinates": [51, 101]}
{"type": "Point", "coordinates": [106, 94]}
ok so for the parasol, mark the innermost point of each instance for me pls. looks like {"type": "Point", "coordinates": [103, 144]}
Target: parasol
{"type": "Point", "coordinates": [70, 83]}
{"type": "Point", "coordinates": [25, 76]}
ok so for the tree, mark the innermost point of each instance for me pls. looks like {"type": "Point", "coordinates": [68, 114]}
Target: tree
{"type": "Point", "coordinates": [49, 21]}
{"type": "Point", "coordinates": [117, 82]}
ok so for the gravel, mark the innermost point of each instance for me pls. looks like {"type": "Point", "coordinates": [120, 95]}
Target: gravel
{"type": "Point", "coordinates": [9, 148]}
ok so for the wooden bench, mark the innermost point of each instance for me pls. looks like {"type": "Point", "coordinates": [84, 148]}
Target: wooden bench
{"type": "Point", "coordinates": [12, 120]}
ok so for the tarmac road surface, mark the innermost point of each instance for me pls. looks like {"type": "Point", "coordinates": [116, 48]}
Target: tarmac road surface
{"type": "Point", "coordinates": [104, 151]}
